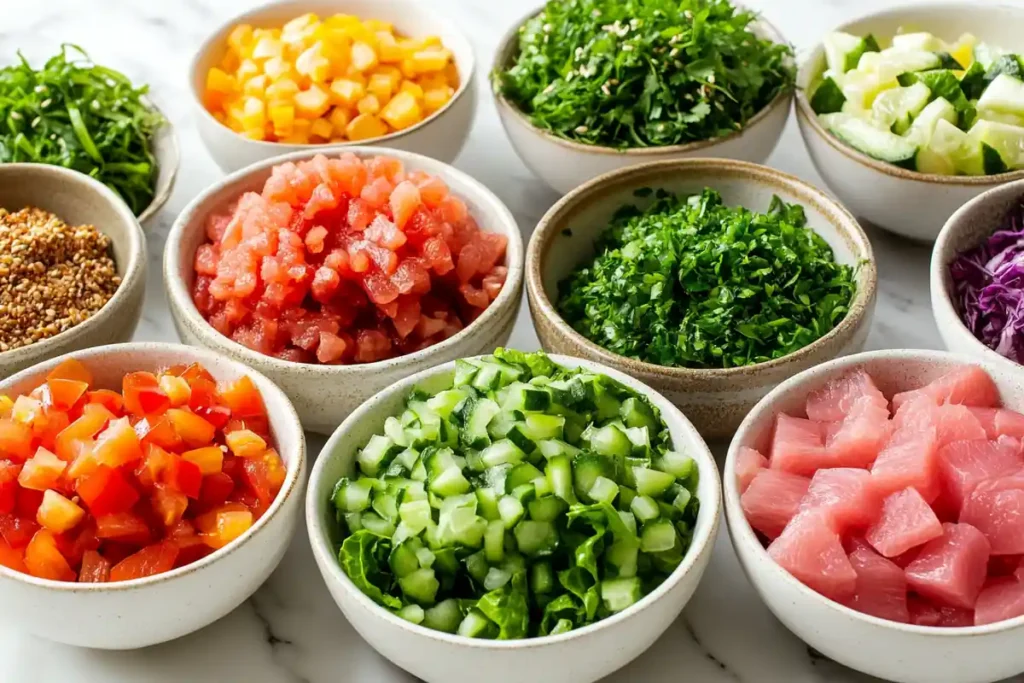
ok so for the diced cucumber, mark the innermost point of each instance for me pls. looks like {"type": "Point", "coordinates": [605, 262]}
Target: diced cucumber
{"type": "Point", "coordinates": [542, 577]}
{"type": "Point", "coordinates": [542, 486]}
{"type": "Point", "coordinates": [930, 161]}
{"type": "Point", "coordinates": [682, 499]}
{"type": "Point", "coordinates": [973, 82]}
{"type": "Point", "coordinates": [403, 560]}
{"type": "Point", "coordinates": [920, 132]}
{"type": "Point", "coordinates": [412, 613]}
{"type": "Point", "coordinates": [828, 97]}
{"type": "Point", "coordinates": [843, 51]}
{"type": "Point", "coordinates": [1005, 139]}
{"type": "Point", "coordinates": [645, 508]}
{"type": "Point", "coordinates": [587, 468]}
{"type": "Point", "coordinates": [501, 453]}
{"type": "Point", "coordinates": [635, 412]}
{"type": "Point", "coordinates": [386, 505]}
{"type": "Point", "coordinates": [444, 616]}
{"type": "Point", "coordinates": [611, 441]}
{"type": "Point", "coordinates": [420, 586]}
{"type": "Point", "coordinates": [658, 537]}
{"type": "Point", "coordinates": [376, 524]}
{"type": "Point", "coordinates": [620, 593]}
{"type": "Point", "coordinates": [426, 557]}
{"type": "Point", "coordinates": [444, 403]}
{"type": "Point", "coordinates": [353, 496]}
{"type": "Point", "coordinates": [535, 539]}
{"type": "Point", "coordinates": [1005, 64]}
{"type": "Point", "coordinates": [450, 482]}
{"type": "Point", "coordinates": [676, 463]}
{"type": "Point", "coordinates": [876, 143]}
{"type": "Point", "coordinates": [944, 84]}
{"type": "Point", "coordinates": [394, 430]}
{"type": "Point", "coordinates": [496, 578]}
{"type": "Point", "coordinates": [917, 41]}
{"type": "Point", "coordinates": [626, 496]}
{"type": "Point", "coordinates": [475, 625]}
{"type": "Point", "coordinates": [517, 435]}
{"type": "Point", "coordinates": [561, 626]}
{"type": "Point", "coordinates": [465, 371]}
{"type": "Point", "coordinates": [651, 482]}
{"type": "Point", "coordinates": [891, 62]}
{"type": "Point", "coordinates": [1004, 95]}
{"type": "Point", "coordinates": [986, 54]}
{"type": "Point", "coordinates": [416, 514]}
{"type": "Point", "coordinates": [603, 490]}
{"type": "Point", "coordinates": [477, 566]}
{"type": "Point", "coordinates": [541, 427]}
{"type": "Point", "coordinates": [523, 473]}
{"type": "Point", "coordinates": [551, 448]}
{"type": "Point", "coordinates": [354, 522]}
{"type": "Point", "coordinates": [527, 397]}
{"type": "Point", "coordinates": [546, 509]}
{"type": "Point", "coordinates": [860, 88]}
{"type": "Point", "coordinates": [487, 503]}
{"type": "Point", "coordinates": [477, 416]}
{"type": "Point", "coordinates": [511, 510]}
{"type": "Point", "coordinates": [494, 541]}
{"type": "Point", "coordinates": [376, 454]}
{"type": "Point", "coordinates": [895, 109]}
{"type": "Point", "coordinates": [559, 475]}
{"type": "Point", "coordinates": [524, 493]}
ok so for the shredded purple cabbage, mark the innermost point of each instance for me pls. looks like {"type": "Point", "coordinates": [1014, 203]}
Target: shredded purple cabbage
{"type": "Point", "coordinates": [988, 288]}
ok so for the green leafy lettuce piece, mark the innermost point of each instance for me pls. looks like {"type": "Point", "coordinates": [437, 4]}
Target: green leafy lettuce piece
{"type": "Point", "coordinates": [362, 556]}
{"type": "Point", "coordinates": [944, 83]}
{"type": "Point", "coordinates": [973, 81]}
{"type": "Point", "coordinates": [537, 364]}
{"type": "Point", "coordinates": [508, 607]}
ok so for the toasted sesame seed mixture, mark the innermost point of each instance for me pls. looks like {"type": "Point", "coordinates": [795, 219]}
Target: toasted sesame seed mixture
{"type": "Point", "coordinates": [53, 276]}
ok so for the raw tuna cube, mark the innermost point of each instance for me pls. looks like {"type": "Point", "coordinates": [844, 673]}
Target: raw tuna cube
{"type": "Point", "coordinates": [1000, 421]}
{"type": "Point", "coordinates": [1001, 598]}
{"type": "Point", "coordinates": [1003, 565]}
{"type": "Point", "coordinates": [811, 551]}
{"type": "Point", "coordinates": [832, 402]}
{"type": "Point", "coordinates": [951, 569]}
{"type": "Point", "coordinates": [968, 385]}
{"type": "Point", "coordinates": [957, 423]}
{"type": "Point", "coordinates": [965, 464]}
{"type": "Point", "coordinates": [996, 508]}
{"type": "Point", "coordinates": [798, 446]}
{"type": "Point", "coordinates": [748, 463]}
{"type": "Point", "coordinates": [909, 459]}
{"type": "Point", "coordinates": [861, 434]}
{"type": "Point", "coordinates": [906, 522]}
{"type": "Point", "coordinates": [772, 499]}
{"type": "Point", "coordinates": [881, 588]}
{"type": "Point", "coordinates": [927, 613]}
{"type": "Point", "coordinates": [845, 495]}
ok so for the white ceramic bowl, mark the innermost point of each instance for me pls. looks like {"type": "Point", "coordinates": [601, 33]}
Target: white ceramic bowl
{"type": "Point", "coordinates": [893, 651]}
{"type": "Point", "coordinates": [168, 158]}
{"type": "Point", "coordinates": [576, 657]}
{"type": "Point", "coordinates": [907, 203]}
{"type": "Point", "coordinates": [324, 395]}
{"type": "Point", "coordinates": [141, 612]}
{"type": "Point", "coordinates": [440, 136]}
{"type": "Point", "coordinates": [564, 164]}
{"type": "Point", "coordinates": [970, 226]}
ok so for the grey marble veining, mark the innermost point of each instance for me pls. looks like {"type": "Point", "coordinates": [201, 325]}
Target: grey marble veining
{"type": "Point", "coordinates": [291, 631]}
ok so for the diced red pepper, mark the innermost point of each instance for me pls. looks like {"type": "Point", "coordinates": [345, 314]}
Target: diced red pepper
{"type": "Point", "coordinates": [154, 559]}
{"type": "Point", "coordinates": [95, 568]}
{"type": "Point", "coordinates": [107, 491]}
{"type": "Point", "coordinates": [44, 560]}
{"type": "Point", "coordinates": [143, 395]}
{"type": "Point", "coordinates": [182, 475]}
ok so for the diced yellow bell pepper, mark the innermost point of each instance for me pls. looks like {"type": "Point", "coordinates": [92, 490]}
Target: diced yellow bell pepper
{"type": "Point", "coordinates": [312, 103]}
{"type": "Point", "coordinates": [267, 48]}
{"type": "Point", "coordinates": [254, 113]}
{"type": "Point", "coordinates": [230, 62]}
{"type": "Point", "coordinates": [299, 134]}
{"type": "Point", "coordinates": [246, 70]}
{"type": "Point", "coordinates": [240, 38]}
{"type": "Point", "coordinates": [433, 59]}
{"type": "Point", "coordinates": [313, 64]}
{"type": "Point", "coordinates": [282, 117]}
{"type": "Point", "coordinates": [368, 105]}
{"type": "Point", "coordinates": [408, 68]}
{"type": "Point", "coordinates": [347, 91]}
{"type": "Point", "coordinates": [388, 50]}
{"type": "Point", "coordinates": [219, 81]}
{"type": "Point", "coordinates": [277, 68]}
{"type": "Point", "coordinates": [381, 86]}
{"type": "Point", "coordinates": [255, 134]}
{"type": "Point", "coordinates": [339, 119]}
{"type": "Point", "coordinates": [378, 26]}
{"type": "Point", "coordinates": [412, 88]}
{"type": "Point", "coordinates": [451, 73]}
{"type": "Point", "coordinates": [300, 30]}
{"type": "Point", "coordinates": [393, 73]}
{"type": "Point", "coordinates": [284, 89]}
{"type": "Point", "coordinates": [256, 86]}
{"type": "Point", "coordinates": [435, 98]}
{"type": "Point", "coordinates": [402, 111]}
{"type": "Point", "coordinates": [364, 57]}
{"type": "Point", "coordinates": [364, 127]}
{"type": "Point", "coordinates": [6, 405]}
{"type": "Point", "coordinates": [322, 128]}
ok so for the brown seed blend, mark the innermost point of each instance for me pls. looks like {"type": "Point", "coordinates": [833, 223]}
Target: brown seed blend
{"type": "Point", "coordinates": [53, 276]}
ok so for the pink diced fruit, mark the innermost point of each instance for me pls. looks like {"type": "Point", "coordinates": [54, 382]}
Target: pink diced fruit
{"type": "Point", "coordinates": [772, 499]}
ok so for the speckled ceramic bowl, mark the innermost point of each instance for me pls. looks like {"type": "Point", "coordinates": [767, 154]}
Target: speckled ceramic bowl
{"type": "Point", "coordinates": [78, 199]}
{"type": "Point", "coordinates": [440, 135]}
{"type": "Point", "coordinates": [893, 651]}
{"type": "Point", "coordinates": [970, 226]}
{"type": "Point", "coordinates": [579, 656]}
{"type": "Point", "coordinates": [564, 164]}
{"type": "Point", "coordinates": [714, 400]}
{"type": "Point", "coordinates": [904, 202]}
{"type": "Point", "coordinates": [168, 158]}
{"type": "Point", "coordinates": [142, 612]}
{"type": "Point", "coordinates": [324, 395]}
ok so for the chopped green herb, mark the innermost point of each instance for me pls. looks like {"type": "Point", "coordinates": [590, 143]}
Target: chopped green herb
{"type": "Point", "coordinates": [690, 282]}
{"type": "Point", "coordinates": [82, 116]}
{"type": "Point", "coordinates": [643, 73]}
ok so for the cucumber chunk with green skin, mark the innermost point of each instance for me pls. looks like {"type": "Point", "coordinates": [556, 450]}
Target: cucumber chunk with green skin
{"type": "Point", "coordinates": [929, 161]}
{"type": "Point", "coordinates": [919, 40]}
{"type": "Point", "coordinates": [948, 61]}
{"type": "Point", "coordinates": [943, 83]}
{"type": "Point", "coordinates": [1005, 64]}
{"type": "Point", "coordinates": [546, 509]}
{"type": "Point", "coordinates": [420, 586]}
{"type": "Point", "coordinates": [444, 616]}
{"type": "Point", "coordinates": [1006, 140]}
{"type": "Point", "coordinates": [476, 625]}
{"type": "Point", "coordinates": [920, 132]}
{"type": "Point", "coordinates": [843, 51]}
{"type": "Point", "coordinates": [896, 108]}
{"type": "Point", "coordinates": [588, 468]}
{"type": "Point", "coordinates": [657, 537]}
{"type": "Point", "coordinates": [864, 137]}
{"type": "Point", "coordinates": [412, 613]}
{"type": "Point", "coordinates": [986, 54]}
{"type": "Point", "coordinates": [618, 594]}
{"type": "Point", "coordinates": [651, 482]}
{"type": "Point", "coordinates": [1005, 94]}
{"type": "Point", "coordinates": [535, 539]}
{"type": "Point", "coordinates": [828, 97]}
{"type": "Point", "coordinates": [974, 82]}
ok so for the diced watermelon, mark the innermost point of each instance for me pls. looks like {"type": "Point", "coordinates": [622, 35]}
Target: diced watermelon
{"type": "Point", "coordinates": [951, 569]}
{"type": "Point", "coordinates": [798, 446]}
{"type": "Point", "coordinates": [845, 495]}
{"type": "Point", "coordinates": [811, 551]}
{"type": "Point", "coordinates": [965, 464]}
{"type": "Point", "coordinates": [881, 587]}
{"type": "Point", "coordinates": [1001, 598]}
{"type": "Point", "coordinates": [772, 499]}
{"type": "Point", "coordinates": [861, 434]}
{"type": "Point", "coordinates": [996, 508]}
{"type": "Point", "coordinates": [748, 463]}
{"type": "Point", "coordinates": [968, 385]}
{"type": "Point", "coordinates": [909, 458]}
{"type": "Point", "coordinates": [926, 613]}
{"type": "Point", "coordinates": [906, 522]}
{"type": "Point", "coordinates": [834, 401]}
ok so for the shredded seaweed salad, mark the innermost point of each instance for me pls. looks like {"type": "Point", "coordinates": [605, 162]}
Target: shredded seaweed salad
{"type": "Point", "coordinates": [690, 282]}
{"type": "Point", "coordinates": [519, 499]}
{"type": "Point", "coordinates": [643, 73]}
{"type": "Point", "coordinates": [83, 116]}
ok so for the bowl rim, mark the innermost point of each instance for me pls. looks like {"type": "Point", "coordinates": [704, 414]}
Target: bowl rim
{"type": "Point", "coordinates": [703, 541]}
{"type": "Point", "coordinates": [848, 226]}
{"type": "Point", "coordinates": [211, 43]}
{"type": "Point", "coordinates": [740, 531]}
{"type": "Point", "coordinates": [180, 300]}
{"type": "Point", "coordinates": [938, 266]}
{"type": "Point", "coordinates": [504, 54]}
{"type": "Point", "coordinates": [169, 135]}
{"type": "Point", "coordinates": [134, 266]}
{"type": "Point", "coordinates": [805, 115]}
{"type": "Point", "coordinates": [286, 421]}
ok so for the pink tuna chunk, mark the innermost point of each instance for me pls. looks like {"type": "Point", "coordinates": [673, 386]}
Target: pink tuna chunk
{"type": "Point", "coordinates": [811, 551]}
{"type": "Point", "coordinates": [957, 423]}
{"type": "Point", "coordinates": [909, 458]}
{"type": "Point", "coordinates": [845, 495]}
{"type": "Point", "coordinates": [1002, 598]}
{"type": "Point", "coordinates": [968, 385]}
{"type": "Point", "coordinates": [906, 522]}
{"type": "Point", "coordinates": [772, 499]}
{"type": "Point", "coordinates": [748, 463]}
{"type": "Point", "coordinates": [965, 464]}
{"type": "Point", "coordinates": [881, 588]}
{"type": "Point", "coordinates": [833, 402]}
{"type": "Point", "coordinates": [798, 446]}
{"type": "Point", "coordinates": [951, 569]}
{"type": "Point", "coordinates": [860, 435]}
{"type": "Point", "coordinates": [927, 613]}
{"type": "Point", "coordinates": [996, 508]}
{"type": "Point", "coordinates": [1000, 422]}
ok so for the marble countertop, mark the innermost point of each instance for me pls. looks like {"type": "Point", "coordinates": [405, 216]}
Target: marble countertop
{"type": "Point", "coordinates": [290, 631]}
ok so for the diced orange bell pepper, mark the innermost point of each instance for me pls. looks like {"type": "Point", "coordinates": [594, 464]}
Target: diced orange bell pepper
{"type": "Point", "coordinates": [169, 505]}
{"type": "Point", "coordinates": [17, 531]}
{"type": "Point", "coordinates": [94, 418]}
{"type": "Point", "coordinates": [62, 394]}
{"type": "Point", "coordinates": [158, 431]}
{"type": "Point", "coordinates": [71, 369]}
{"type": "Point", "coordinates": [193, 430]}
{"type": "Point", "coordinates": [143, 395]}
{"type": "Point", "coordinates": [194, 372]}
{"type": "Point", "coordinates": [12, 558]}
{"type": "Point", "coordinates": [8, 485]}
{"type": "Point", "coordinates": [230, 525]}
{"type": "Point", "coordinates": [110, 399]}
{"type": "Point", "coordinates": [106, 491]}
{"type": "Point", "coordinates": [176, 388]}
{"type": "Point", "coordinates": [118, 444]}
{"type": "Point", "coordinates": [154, 559]}
{"type": "Point", "coordinates": [6, 406]}
{"type": "Point", "coordinates": [126, 527]}
{"type": "Point", "coordinates": [242, 397]}
{"type": "Point", "coordinates": [209, 459]}
{"type": "Point", "coordinates": [15, 440]}
{"type": "Point", "coordinates": [57, 513]}
{"type": "Point", "coordinates": [245, 443]}
{"type": "Point", "coordinates": [43, 558]}
{"type": "Point", "coordinates": [95, 568]}
{"type": "Point", "coordinates": [41, 471]}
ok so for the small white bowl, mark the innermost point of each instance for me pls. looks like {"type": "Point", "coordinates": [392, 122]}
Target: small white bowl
{"type": "Point", "coordinates": [897, 652]}
{"type": "Point", "coordinates": [168, 158]}
{"type": "Point", "coordinates": [969, 227]}
{"type": "Point", "coordinates": [580, 656]}
{"type": "Point", "coordinates": [142, 612]}
{"type": "Point", "coordinates": [324, 395]}
{"type": "Point", "coordinates": [564, 164]}
{"type": "Point", "coordinates": [441, 135]}
{"type": "Point", "coordinates": [905, 202]}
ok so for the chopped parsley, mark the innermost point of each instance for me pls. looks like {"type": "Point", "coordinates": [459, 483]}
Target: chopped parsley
{"type": "Point", "coordinates": [690, 282]}
{"type": "Point", "coordinates": [643, 73]}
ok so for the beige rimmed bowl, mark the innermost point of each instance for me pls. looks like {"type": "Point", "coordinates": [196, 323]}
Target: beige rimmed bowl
{"type": "Point", "coordinates": [168, 158]}
{"type": "Point", "coordinates": [904, 653]}
{"type": "Point", "coordinates": [908, 203]}
{"type": "Point", "coordinates": [324, 395]}
{"type": "Point", "coordinates": [580, 656]}
{"type": "Point", "coordinates": [715, 400]}
{"type": "Point", "coordinates": [78, 200]}
{"type": "Point", "coordinates": [967, 228]}
{"type": "Point", "coordinates": [142, 612]}
{"type": "Point", "coordinates": [564, 164]}
{"type": "Point", "coordinates": [441, 135]}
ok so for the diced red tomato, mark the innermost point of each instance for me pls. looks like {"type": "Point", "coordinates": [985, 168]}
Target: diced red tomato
{"type": "Point", "coordinates": [209, 459]}
{"type": "Point", "coordinates": [215, 490]}
{"type": "Point", "coordinates": [8, 485]}
{"type": "Point", "coordinates": [229, 525]}
{"type": "Point", "coordinates": [57, 513]}
{"type": "Point", "coordinates": [12, 558]}
{"type": "Point", "coordinates": [95, 417]}
{"type": "Point", "coordinates": [107, 491]}
{"type": "Point", "coordinates": [184, 476]}
{"type": "Point", "coordinates": [15, 440]}
{"type": "Point", "coordinates": [193, 430]}
{"type": "Point", "coordinates": [242, 397]}
{"type": "Point", "coordinates": [143, 395]}
{"type": "Point", "coordinates": [111, 400]}
{"type": "Point", "coordinates": [75, 543]}
{"type": "Point", "coordinates": [43, 558]}
{"type": "Point", "coordinates": [158, 431]}
{"type": "Point", "coordinates": [154, 559]}
{"type": "Point", "coordinates": [41, 471]}
{"type": "Point", "coordinates": [95, 568]}
{"type": "Point", "coordinates": [71, 369]}
{"type": "Point", "coordinates": [28, 503]}
{"type": "Point", "coordinates": [169, 505]}
{"type": "Point", "coordinates": [125, 527]}
{"type": "Point", "coordinates": [245, 443]}
{"type": "Point", "coordinates": [17, 531]}
{"type": "Point", "coordinates": [118, 444]}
